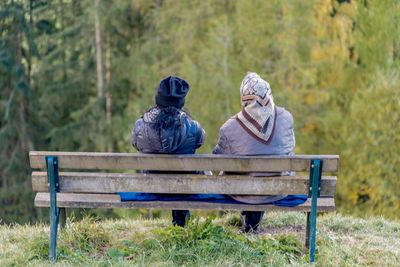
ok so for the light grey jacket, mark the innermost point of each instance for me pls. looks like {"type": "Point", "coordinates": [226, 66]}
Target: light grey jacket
{"type": "Point", "coordinates": [234, 140]}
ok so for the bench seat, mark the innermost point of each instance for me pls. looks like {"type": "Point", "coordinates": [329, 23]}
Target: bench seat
{"type": "Point", "coordinates": [108, 201]}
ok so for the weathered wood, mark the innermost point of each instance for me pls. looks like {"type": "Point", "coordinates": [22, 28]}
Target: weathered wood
{"type": "Point", "coordinates": [103, 161]}
{"type": "Point", "coordinates": [70, 200]}
{"type": "Point", "coordinates": [80, 182]}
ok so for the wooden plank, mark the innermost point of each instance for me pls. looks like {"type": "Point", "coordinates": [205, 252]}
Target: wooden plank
{"type": "Point", "coordinates": [69, 200]}
{"type": "Point", "coordinates": [79, 182]}
{"type": "Point", "coordinates": [104, 161]}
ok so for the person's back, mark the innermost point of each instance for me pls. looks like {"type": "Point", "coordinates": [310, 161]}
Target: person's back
{"type": "Point", "coordinates": [282, 141]}
{"type": "Point", "coordinates": [260, 128]}
{"type": "Point", "coordinates": [167, 129]}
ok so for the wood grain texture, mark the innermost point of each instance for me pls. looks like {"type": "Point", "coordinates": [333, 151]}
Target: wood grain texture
{"type": "Point", "coordinates": [80, 182]}
{"type": "Point", "coordinates": [70, 200]}
{"type": "Point", "coordinates": [128, 161]}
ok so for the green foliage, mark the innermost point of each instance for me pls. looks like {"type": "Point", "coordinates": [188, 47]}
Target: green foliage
{"type": "Point", "coordinates": [376, 164]}
{"type": "Point", "coordinates": [326, 61]}
{"type": "Point", "coordinates": [370, 159]}
{"type": "Point", "coordinates": [17, 48]}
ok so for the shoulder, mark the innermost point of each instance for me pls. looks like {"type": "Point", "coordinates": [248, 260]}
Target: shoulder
{"type": "Point", "coordinates": [284, 115]}
{"type": "Point", "coordinates": [194, 126]}
{"type": "Point", "coordinates": [188, 119]}
{"type": "Point", "coordinates": [230, 124]}
{"type": "Point", "coordinates": [138, 124]}
{"type": "Point", "coordinates": [150, 115]}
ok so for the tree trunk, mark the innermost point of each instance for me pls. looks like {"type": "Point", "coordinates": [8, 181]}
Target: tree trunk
{"type": "Point", "coordinates": [25, 141]}
{"type": "Point", "coordinates": [108, 94]}
{"type": "Point", "coordinates": [100, 78]}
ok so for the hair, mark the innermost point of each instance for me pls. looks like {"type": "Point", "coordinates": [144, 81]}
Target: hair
{"type": "Point", "coordinates": [184, 109]}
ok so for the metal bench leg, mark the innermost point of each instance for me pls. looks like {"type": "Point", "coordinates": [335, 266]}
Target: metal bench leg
{"type": "Point", "coordinates": [52, 174]}
{"type": "Point", "coordinates": [315, 186]}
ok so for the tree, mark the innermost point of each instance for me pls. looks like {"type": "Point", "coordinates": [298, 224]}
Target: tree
{"type": "Point", "coordinates": [17, 49]}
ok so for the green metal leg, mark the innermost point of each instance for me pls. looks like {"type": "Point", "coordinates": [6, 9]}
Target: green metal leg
{"type": "Point", "coordinates": [52, 174]}
{"type": "Point", "coordinates": [315, 180]}
{"type": "Point", "coordinates": [53, 234]}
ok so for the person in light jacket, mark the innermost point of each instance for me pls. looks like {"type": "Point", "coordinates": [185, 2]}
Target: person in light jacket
{"type": "Point", "coordinates": [260, 128]}
{"type": "Point", "coordinates": [167, 129]}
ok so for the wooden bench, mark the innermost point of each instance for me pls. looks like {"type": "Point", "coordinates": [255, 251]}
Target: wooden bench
{"type": "Point", "coordinates": [93, 187]}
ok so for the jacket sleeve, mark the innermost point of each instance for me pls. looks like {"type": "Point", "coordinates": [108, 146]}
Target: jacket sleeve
{"type": "Point", "coordinates": [287, 139]}
{"type": "Point", "coordinates": [222, 146]}
{"type": "Point", "coordinates": [135, 133]}
{"type": "Point", "coordinates": [291, 141]}
{"type": "Point", "coordinates": [292, 137]}
{"type": "Point", "coordinates": [201, 135]}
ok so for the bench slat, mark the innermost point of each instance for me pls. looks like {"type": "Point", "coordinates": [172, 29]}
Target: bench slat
{"type": "Point", "coordinates": [109, 161]}
{"type": "Point", "coordinates": [79, 182]}
{"type": "Point", "coordinates": [70, 200]}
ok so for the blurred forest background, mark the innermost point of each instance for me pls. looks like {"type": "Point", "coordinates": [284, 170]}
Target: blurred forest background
{"type": "Point", "coordinates": [75, 75]}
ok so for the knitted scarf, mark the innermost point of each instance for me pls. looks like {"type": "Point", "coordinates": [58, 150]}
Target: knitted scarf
{"type": "Point", "coordinates": [258, 114]}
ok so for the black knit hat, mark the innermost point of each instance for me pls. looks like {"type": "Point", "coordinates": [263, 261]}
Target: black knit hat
{"type": "Point", "coordinates": [171, 92]}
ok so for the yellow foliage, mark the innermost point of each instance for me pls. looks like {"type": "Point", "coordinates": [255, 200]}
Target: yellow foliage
{"type": "Point", "coordinates": [348, 9]}
{"type": "Point", "coordinates": [317, 53]}
{"type": "Point", "coordinates": [334, 34]}
{"type": "Point", "coordinates": [310, 99]}
{"type": "Point", "coordinates": [309, 128]}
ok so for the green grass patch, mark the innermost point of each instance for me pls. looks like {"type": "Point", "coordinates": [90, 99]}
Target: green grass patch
{"type": "Point", "coordinates": [203, 243]}
{"type": "Point", "coordinates": [341, 241]}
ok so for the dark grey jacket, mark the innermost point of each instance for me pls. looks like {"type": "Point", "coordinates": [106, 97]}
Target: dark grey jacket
{"type": "Point", "coordinates": [234, 140]}
{"type": "Point", "coordinates": [167, 131]}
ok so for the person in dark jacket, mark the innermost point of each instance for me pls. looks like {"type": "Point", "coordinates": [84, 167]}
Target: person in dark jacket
{"type": "Point", "coordinates": [167, 129]}
{"type": "Point", "coordinates": [260, 128]}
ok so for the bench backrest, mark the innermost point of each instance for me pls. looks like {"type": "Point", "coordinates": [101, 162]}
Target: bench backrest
{"type": "Point", "coordinates": [99, 181]}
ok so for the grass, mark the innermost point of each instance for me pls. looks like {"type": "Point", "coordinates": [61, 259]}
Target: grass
{"type": "Point", "coordinates": [341, 241]}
